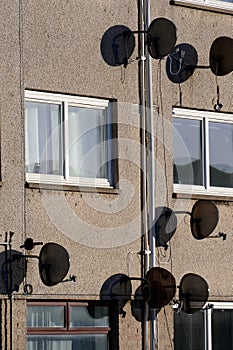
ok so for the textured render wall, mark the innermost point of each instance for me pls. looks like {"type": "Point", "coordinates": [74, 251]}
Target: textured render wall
{"type": "Point", "coordinates": [210, 258]}
{"type": "Point", "coordinates": [62, 48]}
{"type": "Point", "coordinates": [200, 29]}
{"type": "Point", "coordinates": [12, 159]}
{"type": "Point", "coordinates": [11, 192]}
{"type": "Point", "coordinates": [60, 53]}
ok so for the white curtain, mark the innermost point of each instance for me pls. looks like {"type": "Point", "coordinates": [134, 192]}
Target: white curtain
{"type": "Point", "coordinates": [32, 137]}
{"type": "Point", "coordinates": [86, 142]}
{"type": "Point", "coordinates": [49, 344]}
{"type": "Point", "coordinates": [43, 138]}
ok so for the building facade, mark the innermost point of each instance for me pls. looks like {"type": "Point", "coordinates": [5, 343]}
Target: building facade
{"type": "Point", "coordinates": [98, 138]}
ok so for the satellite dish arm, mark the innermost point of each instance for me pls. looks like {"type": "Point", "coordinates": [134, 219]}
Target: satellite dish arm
{"type": "Point", "coordinates": [186, 302]}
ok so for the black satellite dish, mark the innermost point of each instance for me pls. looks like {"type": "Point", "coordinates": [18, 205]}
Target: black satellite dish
{"type": "Point", "coordinates": [161, 37]}
{"type": "Point", "coordinates": [54, 263]}
{"type": "Point", "coordinates": [138, 305]}
{"type": "Point", "coordinates": [165, 225]}
{"type": "Point", "coordinates": [117, 287]}
{"type": "Point", "coordinates": [204, 219]}
{"type": "Point", "coordinates": [160, 287]}
{"type": "Point", "coordinates": [193, 292]}
{"type": "Point", "coordinates": [117, 45]}
{"type": "Point", "coordinates": [221, 56]}
{"type": "Point", "coordinates": [181, 63]}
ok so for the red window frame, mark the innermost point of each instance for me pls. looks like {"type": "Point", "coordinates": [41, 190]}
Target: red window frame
{"type": "Point", "coordinates": [66, 329]}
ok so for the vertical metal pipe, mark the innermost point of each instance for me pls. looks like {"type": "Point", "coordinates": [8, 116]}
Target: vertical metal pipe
{"type": "Point", "coordinates": [150, 131]}
{"type": "Point", "coordinates": [207, 327]}
{"type": "Point", "coordinates": [143, 161]}
{"type": "Point", "coordinates": [151, 171]}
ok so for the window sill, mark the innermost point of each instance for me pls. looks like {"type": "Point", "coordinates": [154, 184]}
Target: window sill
{"type": "Point", "coordinates": [219, 198]}
{"type": "Point", "coordinates": [200, 192]}
{"type": "Point", "coordinates": [70, 188]}
{"type": "Point", "coordinates": [220, 7]}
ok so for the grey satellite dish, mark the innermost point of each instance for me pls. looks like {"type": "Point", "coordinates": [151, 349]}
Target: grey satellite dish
{"type": "Point", "coordinates": [117, 287]}
{"type": "Point", "coordinates": [165, 225]}
{"type": "Point", "coordinates": [161, 37]}
{"type": "Point", "coordinates": [160, 287]}
{"type": "Point", "coordinates": [193, 292]}
{"type": "Point", "coordinates": [204, 219]}
{"type": "Point", "coordinates": [221, 56]}
{"type": "Point", "coordinates": [181, 63]}
{"type": "Point", "coordinates": [117, 45]}
{"type": "Point", "coordinates": [54, 263]}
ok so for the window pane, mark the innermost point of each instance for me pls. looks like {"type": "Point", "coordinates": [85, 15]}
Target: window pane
{"type": "Point", "coordinates": [222, 329]}
{"type": "Point", "coordinates": [87, 149]}
{"type": "Point", "coordinates": [93, 316]}
{"type": "Point", "coordinates": [221, 154]}
{"type": "Point", "coordinates": [187, 151]}
{"type": "Point", "coordinates": [43, 138]}
{"type": "Point", "coordinates": [68, 342]}
{"type": "Point", "coordinates": [189, 331]}
{"type": "Point", "coordinates": [45, 316]}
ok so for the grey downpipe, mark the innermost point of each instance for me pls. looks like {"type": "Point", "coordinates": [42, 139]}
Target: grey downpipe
{"type": "Point", "coordinates": [143, 162]}
{"type": "Point", "coordinates": [151, 173]}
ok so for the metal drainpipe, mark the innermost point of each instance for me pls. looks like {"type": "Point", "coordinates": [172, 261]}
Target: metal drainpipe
{"type": "Point", "coordinates": [148, 169]}
{"type": "Point", "coordinates": [207, 327]}
{"type": "Point", "coordinates": [151, 172]}
{"type": "Point", "coordinates": [143, 161]}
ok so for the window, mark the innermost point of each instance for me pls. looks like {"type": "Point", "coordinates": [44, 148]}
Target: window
{"type": "Point", "coordinates": [68, 140]}
{"type": "Point", "coordinates": [69, 326]}
{"type": "Point", "coordinates": [202, 152]}
{"type": "Point", "coordinates": [208, 329]}
{"type": "Point", "coordinates": [221, 5]}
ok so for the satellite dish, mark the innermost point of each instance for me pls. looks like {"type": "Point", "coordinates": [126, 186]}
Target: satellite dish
{"type": "Point", "coordinates": [181, 63]}
{"type": "Point", "coordinates": [138, 305]}
{"type": "Point", "coordinates": [165, 225]}
{"type": "Point", "coordinates": [193, 292]}
{"type": "Point", "coordinates": [161, 37]}
{"type": "Point", "coordinates": [221, 56]}
{"type": "Point", "coordinates": [117, 287]}
{"type": "Point", "coordinates": [117, 45]}
{"type": "Point", "coordinates": [54, 263]}
{"type": "Point", "coordinates": [204, 219]}
{"type": "Point", "coordinates": [160, 287]}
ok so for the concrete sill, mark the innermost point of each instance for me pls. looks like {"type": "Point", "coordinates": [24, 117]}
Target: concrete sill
{"type": "Point", "coordinates": [228, 10]}
{"type": "Point", "coordinates": [202, 196]}
{"type": "Point", "coordinates": [71, 188]}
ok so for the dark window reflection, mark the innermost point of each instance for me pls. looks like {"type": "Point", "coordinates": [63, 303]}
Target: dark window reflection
{"type": "Point", "coordinates": [187, 151]}
{"type": "Point", "coordinates": [221, 154]}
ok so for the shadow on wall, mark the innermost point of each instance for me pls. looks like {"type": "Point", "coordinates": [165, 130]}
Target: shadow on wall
{"type": "Point", "coordinates": [15, 262]}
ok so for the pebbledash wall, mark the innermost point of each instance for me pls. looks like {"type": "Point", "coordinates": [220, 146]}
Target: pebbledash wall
{"type": "Point", "coordinates": [53, 48]}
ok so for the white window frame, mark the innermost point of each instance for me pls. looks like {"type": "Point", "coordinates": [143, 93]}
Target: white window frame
{"type": "Point", "coordinates": [208, 308]}
{"type": "Point", "coordinates": [207, 4]}
{"type": "Point", "coordinates": [65, 101]}
{"type": "Point", "coordinates": [207, 318]}
{"type": "Point", "coordinates": [206, 116]}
